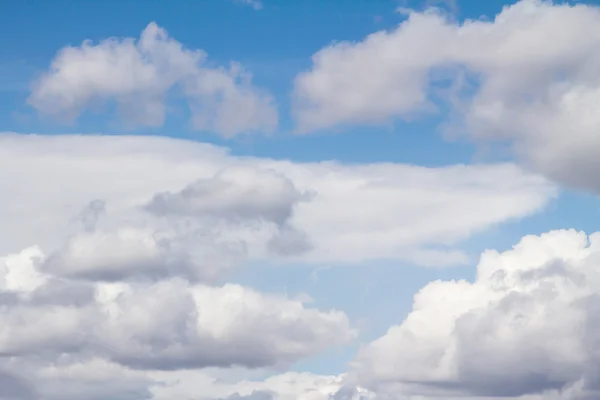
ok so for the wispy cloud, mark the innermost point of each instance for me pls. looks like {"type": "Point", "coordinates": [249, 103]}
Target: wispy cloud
{"type": "Point", "coordinates": [256, 4]}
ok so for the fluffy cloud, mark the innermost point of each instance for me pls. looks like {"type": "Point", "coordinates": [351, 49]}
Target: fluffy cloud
{"type": "Point", "coordinates": [138, 76]}
{"type": "Point", "coordinates": [118, 246]}
{"type": "Point", "coordinates": [161, 195]}
{"type": "Point", "coordinates": [526, 325]}
{"type": "Point", "coordinates": [514, 78]}
{"type": "Point", "coordinates": [118, 280]}
{"type": "Point", "coordinates": [166, 325]}
{"type": "Point", "coordinates": [94, 332]}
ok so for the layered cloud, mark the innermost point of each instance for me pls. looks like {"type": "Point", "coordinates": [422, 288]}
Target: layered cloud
{"type": "Point", "coordinates": [119, 248]}
{"type": "Point", "coordinates": [148, 199]}
{"type": "Point", "coordinates": [515, 78]}
{"type": "Point", "coordinates": [526, 325]}
{"type": "Point", "coordinates": [139, 75]}
{"type": "Point", "coordinates": [115, 252]}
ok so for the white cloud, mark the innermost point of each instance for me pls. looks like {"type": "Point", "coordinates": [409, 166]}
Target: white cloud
{"type": "Point", "coordinates": [134, 253]}
{"type": "Point", "coordinates": [385, 75]}
{"type": "Point", "coordinates": [113, 244]}
{"type": "Point", "coordinates": [285, 386]}
{"type": "Point", "coordinates": [165, 325]}
{"type": "Point", "coordinates": [96, 379]}
{"type": "Point", "coordinates": [107, 287]}
{"type": "Point", "coordinates": [256, 4]}
{"type": "Point", "coordinates": [527, 325]}
{"type": "Point", "coordinates": [138, 76]}
{"type": "Point", "coordinates": [515, 78]}
{"type": "Point", "coordinates": [264, 209]}
{"type": "Point", "coordinates": [234, 194]}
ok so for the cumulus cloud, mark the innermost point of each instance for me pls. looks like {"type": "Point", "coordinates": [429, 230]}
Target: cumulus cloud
{"type": "Point", "coordinates": [514, 78]}
{"type": "Point", "coordinates": [122, 289]}
{"type": "Point", "coordinates": [137, 75]}
{"type": "Point", "coordinates": [168, 325]}
{"type": "Point", "coordinates": [123, 263]}
{"type": "Point", "coordinates": [527, 325]}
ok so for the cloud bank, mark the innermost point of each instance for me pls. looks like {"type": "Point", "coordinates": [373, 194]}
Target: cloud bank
{"type": "Point", "coordinates": [515, 79]}
{"type": "Point", "coordinates": [158, 195]}
{"type": "Point", "coordinates": [121, 248]}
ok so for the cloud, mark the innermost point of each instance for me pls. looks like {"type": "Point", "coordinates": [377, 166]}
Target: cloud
{"type": "Point", "coordinates": [525, 326]}
{"type": "Point", "coordinates": [139, 75]}
{"type": "Point", "coordinates": [124, 291]}
{"type": "Point", "coordinates": [283, 386]}
{"type": "Point", "coordinates": [130, 252]}
{"type": "Point", "coordinates": [68, 378]}
{"type": "Point", "coordinates": [234, 194]}
{"type": "Point", "coordinates": [71, 379]}
{"type": "Point", "coordinates": [252, 396]}
{"type": "Point", "coordinates": [123, 263]}
{"type": "Point", "coordinates": [161, 195]}
{"type": "Point", "coordinates": [514, 79]}
{"type": "Point", "coordinates": [256, 4]}
{"type": "Point", "coordinates": [168, 325]}
{"type": "Point", "coordinates": [383, 76]}
{"type": "Point", "coordinates": [16, 388]}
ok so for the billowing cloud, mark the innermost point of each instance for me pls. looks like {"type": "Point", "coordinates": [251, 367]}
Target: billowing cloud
{"type": "Point", "coordinates": [138, 75]}
{"type": "Point", "coordinates": [527, 325]}
{"type": "Point", "coordinates": [118, 248]}
{"type": "Point", "coordinates": [514, 78]}
{"type": "Point", "coordinates": [121, 279]}
{"type": "Point", "coordinates": [167, 325]}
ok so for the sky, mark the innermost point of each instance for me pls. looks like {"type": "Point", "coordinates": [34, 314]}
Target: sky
{"type": "Point", "coordinates": [299, 200]}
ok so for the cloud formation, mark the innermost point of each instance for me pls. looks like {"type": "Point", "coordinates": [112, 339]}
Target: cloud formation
{"type": "Point", "coordinates": [166, 325]}
{"type": "Point", "coordinates": [515, 79]}
{"type": "Point", "coordinates": [160, 195]}
{"type": "Point", "coordinates": [115, 252]}
{"type": "Point", "coordinates": [527, 325]}
{"type": "Point", "coordinates": [138, 75]}
{"type": "Point", "coordinates": [124, 261]}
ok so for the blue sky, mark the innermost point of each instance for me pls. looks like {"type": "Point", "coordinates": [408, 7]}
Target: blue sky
{"type": "Point", "coordinates": [275, 44]}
